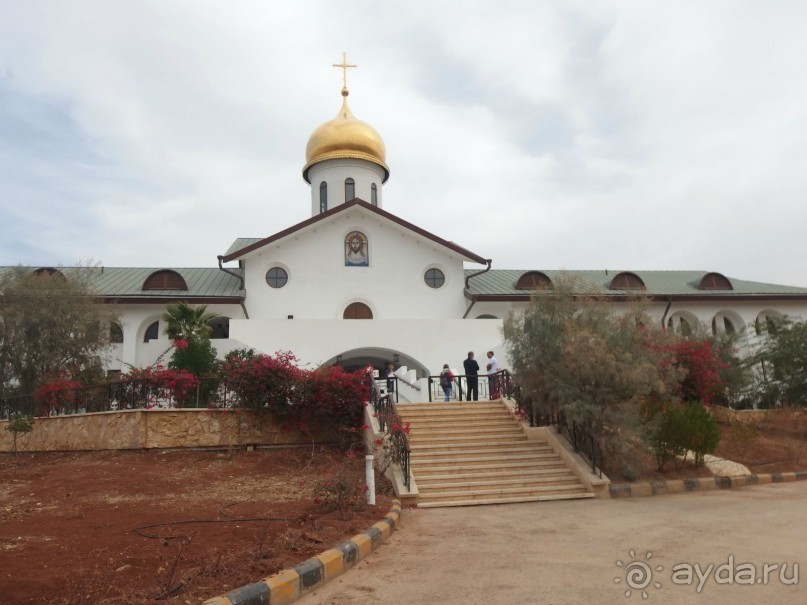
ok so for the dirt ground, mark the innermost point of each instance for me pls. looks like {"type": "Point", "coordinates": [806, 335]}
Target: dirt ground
{"type": "Point", "coordinates": [152, 527]}
{"type": "Point", "coordinates": [164, 526]}
{"type": "Point", "coordinates": [776, 444]}
{"type": "Point", "coordinates": [590, 552]}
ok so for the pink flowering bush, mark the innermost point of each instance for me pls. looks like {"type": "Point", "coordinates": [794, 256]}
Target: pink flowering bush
{"type": "Point", "coordinates": [57, 394]}
{"type": "Point", "coordinates": [159, 384]}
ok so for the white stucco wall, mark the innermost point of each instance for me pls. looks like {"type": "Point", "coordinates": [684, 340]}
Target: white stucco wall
{"type": "Point", "coordinates": [320, 286]}
{"type": "Point", "coordinates": [429, 342]}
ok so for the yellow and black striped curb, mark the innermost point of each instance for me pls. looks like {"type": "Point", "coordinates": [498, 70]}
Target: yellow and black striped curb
{"type": "Point", "coordinates": [290, 584]}
{"type": "Point", "coordinates": [677, 486]}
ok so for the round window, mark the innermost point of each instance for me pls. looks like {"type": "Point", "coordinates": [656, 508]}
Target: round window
{"type": "Point", "coordinates": [434, 278]}
{"type": "Point", "coordinates": [277, 277]}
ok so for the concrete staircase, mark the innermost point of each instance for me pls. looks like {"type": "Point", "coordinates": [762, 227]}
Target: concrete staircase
{"type": "Point", "coordinates": [469, 453]}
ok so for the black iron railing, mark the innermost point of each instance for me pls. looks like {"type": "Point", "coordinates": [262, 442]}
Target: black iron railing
{"type": "Point", "coordinates": [488, 387]}
{"type": "Point", "coordinates": [389, 422]}
{"type": "Point", "coordinates": [121, 395]}
{"type": "Point", "coordinates": [584, 436]}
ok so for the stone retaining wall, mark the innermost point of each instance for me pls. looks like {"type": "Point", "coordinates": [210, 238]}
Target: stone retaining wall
{"type": "Point", "coordinates": [159, 429]}
{"type": "Point", "coordinates": [723, 414]}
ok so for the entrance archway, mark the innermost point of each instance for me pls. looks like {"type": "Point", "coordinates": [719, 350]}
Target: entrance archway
{"type": "Point", "coordinates": [378, 357]}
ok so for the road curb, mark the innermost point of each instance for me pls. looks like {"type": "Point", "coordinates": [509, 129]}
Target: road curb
{"type": "Point", "coordinates": [289, 585]}
{"type": "Point", "coordinates": [677, 486]}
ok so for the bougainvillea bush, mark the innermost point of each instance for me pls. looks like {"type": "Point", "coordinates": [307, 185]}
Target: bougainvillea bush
{"type": "Point", "coordinates": [300, 399]}
{"type": "Point", "coordinates": [702, 365]}
{"type": "Point", "coordinates": [57, 394]}
{"type": "Point", "coordinates": [159, 386]}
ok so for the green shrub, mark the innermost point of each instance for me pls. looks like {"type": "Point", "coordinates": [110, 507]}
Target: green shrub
{"type": "Point", "coordinates": [672, 431]}
{"type": "Point", "coordinates": [19, 424]}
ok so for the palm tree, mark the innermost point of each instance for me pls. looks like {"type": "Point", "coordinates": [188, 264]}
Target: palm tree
{"type": "Point", "coordinates": [184, 322]}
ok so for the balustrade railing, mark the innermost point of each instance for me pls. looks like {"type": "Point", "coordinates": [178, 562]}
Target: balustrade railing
{"type": "Point", "coordinates": [583, 436]}
{"type": "Point", "coordinates": [493, 386]}
{"type": "Point", "coordinates": [121, 395]}
{"type": "Point", "coordinates": [389, 422]}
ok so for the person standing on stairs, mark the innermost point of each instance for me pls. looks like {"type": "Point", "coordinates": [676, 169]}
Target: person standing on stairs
{"type": "Point", "coordinates": [389, 373]}
{"type": "Point", "coordinates": [446, 380]}
{"type": "Point", "coordinates": [493, 378]}
{"type": "Point", "coordinates": [471, 377]}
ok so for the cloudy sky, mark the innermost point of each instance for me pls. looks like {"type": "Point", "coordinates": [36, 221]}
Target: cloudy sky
{"type": "Point", "coordinates": [544, 135]}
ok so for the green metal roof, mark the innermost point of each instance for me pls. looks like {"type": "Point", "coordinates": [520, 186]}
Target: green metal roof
{"type": "Point", "coordinates": [502, 282]}
{"type": "Point", "coordinates": [240, 243]}
{"type": "Point", "coordinates": [126, 282]}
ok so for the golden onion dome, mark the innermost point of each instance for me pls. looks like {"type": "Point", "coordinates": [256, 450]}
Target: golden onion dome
{"type": "Point", "coordinates": [345, 137]}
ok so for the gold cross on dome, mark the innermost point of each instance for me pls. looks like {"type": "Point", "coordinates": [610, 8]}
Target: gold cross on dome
{"type": "Point", "coordinates": [344, 65]}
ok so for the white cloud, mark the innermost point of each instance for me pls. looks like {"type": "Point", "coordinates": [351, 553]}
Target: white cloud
{"type": "Point", "coordinates": [543, 135]}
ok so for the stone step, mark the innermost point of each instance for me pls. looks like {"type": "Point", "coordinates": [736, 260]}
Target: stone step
{"type": "Point", "coordinates": [458, 408]}
{"type": "Point", "coordinates": [508, 500]}
{"type": "Point", "coordinates": [477, 453]}
{"type": "Point", "coordinates": [493, 472]}
{"type": "Point", "coordinates": [505, 492]}
{"type": "Point", "coordinates": [468, 431]}
{"type": "Point", "coordinates": [452, 405]}
{"type": "Point", "coordinates": [428, 486]}
{"type": "Point", "coordinates": [464, 442]}
{"type": "Point", "coordinates": [487, 465]}
{"type": "Point", "coordinates": [447, 410]}
{"type": "Point", "coordinates": [455, 423]}
{"type": "Point", "coordinates": [496, 459]}
{"type": "Point", "coordinates": [469, 438]}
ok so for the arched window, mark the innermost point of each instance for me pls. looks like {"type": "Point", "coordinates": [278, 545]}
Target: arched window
{"type": "Point", "coordinates": [50, 272]}
{"type": "Point", "coordinates": [165, 280]}
{"type": "Point", "coordinates": [627, 281]}
{"type": "Point", "coordinates": [115, 333]}
{"type": "Point", "coordinates": [721, 324]}
{"type": "Point", "coordinates": [152, 332]}
{"type": "Point", "coordinates": [486, 316]}
{"type": "Point", "coordinates": [679, 325]}
{"type": "Point", "coordinates": [534, 280]}
{"type": "Point", "coordinates": [357, 310]}
{"type": "Point", "coordinates": [323, 197]}
{"type": "Point", "coordinates": [715, 281]}
{"type": "Point", "coordinates": [434, 278]}
{"type": "Point", "coordinates": [350, 189]}
{"type": "Point", "coordinates": [767, 322]}
{"type": "Point", "coordinates": [374, 195]}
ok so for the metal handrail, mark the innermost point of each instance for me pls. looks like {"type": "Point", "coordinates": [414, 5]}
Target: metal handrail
{"type": "Point", "coordinates": [583, 436]}
{"type": "Point", "coordinates": [121, 395]}
{"type": "Point", "coordinates": [389, 422]}
{"type": "Point", "coordinates": [503, 377]}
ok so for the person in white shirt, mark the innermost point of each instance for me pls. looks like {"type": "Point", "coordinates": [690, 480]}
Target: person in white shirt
{"type": "Point", "coordinates": [493, 378]}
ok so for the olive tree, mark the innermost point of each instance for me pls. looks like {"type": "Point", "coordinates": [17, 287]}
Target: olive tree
{"type": "Point", "coordinates": [571, 352]}
{"type": "Point", "coordinates": [781, 364]}
{"type": "Point", "coordinates": [50, 322]}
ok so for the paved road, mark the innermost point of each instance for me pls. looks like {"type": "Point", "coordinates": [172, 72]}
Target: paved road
{"type": "Point", "coordinates": [557, 553]}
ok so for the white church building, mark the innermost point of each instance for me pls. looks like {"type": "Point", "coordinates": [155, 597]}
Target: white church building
{"type": "Point", "coordinates": [355, 284]}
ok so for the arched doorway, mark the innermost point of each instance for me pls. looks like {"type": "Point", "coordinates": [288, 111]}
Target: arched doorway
{"type": "Point", "coordinates": [378, 357]}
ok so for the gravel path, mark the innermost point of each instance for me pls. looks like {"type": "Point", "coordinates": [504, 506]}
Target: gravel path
{"type": "Point", "coordinates": [557, 553]}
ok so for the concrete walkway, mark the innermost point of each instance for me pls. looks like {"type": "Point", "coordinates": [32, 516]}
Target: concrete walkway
{"type": "Point", "coordinates": [556, 553]}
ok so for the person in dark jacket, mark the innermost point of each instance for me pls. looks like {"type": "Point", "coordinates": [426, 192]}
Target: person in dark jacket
{"type": "Point", "coordinates": [471, 376]}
